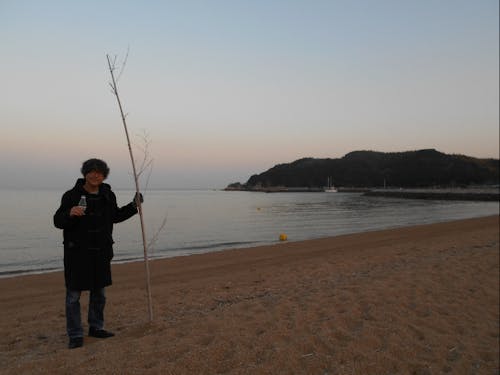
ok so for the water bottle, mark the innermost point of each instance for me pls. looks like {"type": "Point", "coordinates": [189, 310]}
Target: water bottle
{"type": "Point", "coordinates": [83, 203]}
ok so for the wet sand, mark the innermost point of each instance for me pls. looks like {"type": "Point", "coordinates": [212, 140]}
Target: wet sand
{"type": "Point", "coordinates": [415, 300]}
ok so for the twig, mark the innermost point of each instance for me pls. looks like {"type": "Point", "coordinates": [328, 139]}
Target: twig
{"type": "Point", "coordinates": [114, 88]}
{"type": "Point", "coordinates": [123, 65]}
{"type": "Point", "coordinates": [146, 163]}
{"type": "Point", "coordinates": [154, 239]}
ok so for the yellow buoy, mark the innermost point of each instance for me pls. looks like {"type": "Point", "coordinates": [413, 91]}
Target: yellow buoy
{"type": "Point", "coordinates": [283, 237]}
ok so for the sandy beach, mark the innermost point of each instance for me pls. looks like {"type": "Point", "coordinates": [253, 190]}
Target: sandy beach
{"type": "Point", "coordinates": [416, 300]}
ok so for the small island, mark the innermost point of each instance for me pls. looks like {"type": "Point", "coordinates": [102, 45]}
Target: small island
{"type": "Point", "coordinates": [425, 174]}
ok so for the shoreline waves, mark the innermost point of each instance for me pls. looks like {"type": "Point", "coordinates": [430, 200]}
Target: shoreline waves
{"type": "Point", "coordinates": [413, 300]}
{"type": "Point", "coordinates": [206, 221]}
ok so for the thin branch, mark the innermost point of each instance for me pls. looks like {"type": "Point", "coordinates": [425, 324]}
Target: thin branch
{"type": "Point", "coordinates": [155, 237]}
{"type": "Point", "coordinates": [123, 64]}
{"type": "Point", "coordinates": [149, 176]}
{"type": "Point", "coordinates": [112, 68]}
{"type": "Point", "coordinates": [144, 148]}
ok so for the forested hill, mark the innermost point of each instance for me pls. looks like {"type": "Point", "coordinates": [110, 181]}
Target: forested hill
{"type": "Point", "coordinates": [422, 168]}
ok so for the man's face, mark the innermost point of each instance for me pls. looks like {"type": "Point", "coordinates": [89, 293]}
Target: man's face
{"type": "Point", "coordinates": [94, 178]}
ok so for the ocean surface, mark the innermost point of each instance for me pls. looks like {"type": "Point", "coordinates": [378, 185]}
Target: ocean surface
{"type": "Point", "coordinates": [198, 221]}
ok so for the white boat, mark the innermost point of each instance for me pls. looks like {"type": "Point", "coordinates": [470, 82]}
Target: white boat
{"type": "Point", "coordinates": [330, 188]}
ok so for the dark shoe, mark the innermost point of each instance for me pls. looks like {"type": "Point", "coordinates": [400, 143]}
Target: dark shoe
{"type": "Point", "coordinates": [75, 342]}
{"type": "Point", "coordinates": [100, 333]}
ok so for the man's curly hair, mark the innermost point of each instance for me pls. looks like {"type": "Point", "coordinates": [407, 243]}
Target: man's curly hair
{"type": "Point", "coordinates": [95, 165]}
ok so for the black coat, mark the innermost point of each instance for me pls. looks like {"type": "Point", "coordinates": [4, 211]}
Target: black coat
{"type": "Point", "coordinates": [88, 240]}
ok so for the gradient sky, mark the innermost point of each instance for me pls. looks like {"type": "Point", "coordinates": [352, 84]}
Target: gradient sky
{"type": "Point", "coordinates": [226, 89]}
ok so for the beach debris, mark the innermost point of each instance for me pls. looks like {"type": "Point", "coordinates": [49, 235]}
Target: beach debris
{"type": "Point", "coordinates": [453, 354]}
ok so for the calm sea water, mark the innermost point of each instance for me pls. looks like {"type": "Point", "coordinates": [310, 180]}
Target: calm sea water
{"type": "Point", "coordinates": [203, 221]}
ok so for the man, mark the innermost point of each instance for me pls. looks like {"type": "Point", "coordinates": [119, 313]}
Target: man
{"type": "Point", "coordinates": [88, 246]}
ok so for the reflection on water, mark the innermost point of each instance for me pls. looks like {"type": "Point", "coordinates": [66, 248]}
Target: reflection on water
{"type": "Point", "coordinates": [201, 221]}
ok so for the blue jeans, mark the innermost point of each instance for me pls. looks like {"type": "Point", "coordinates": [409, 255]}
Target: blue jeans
{"type": "Point", "coordinates": [97, 301]}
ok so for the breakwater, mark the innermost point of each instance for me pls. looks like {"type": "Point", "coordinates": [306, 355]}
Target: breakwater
{"type": "Point", "coordinates": [486, 195]}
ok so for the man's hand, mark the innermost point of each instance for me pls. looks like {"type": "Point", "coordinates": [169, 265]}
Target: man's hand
{"type": "Point", "coordinates": [77, 211]}
{"type": "Point", "coordinates": [138, 198]}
